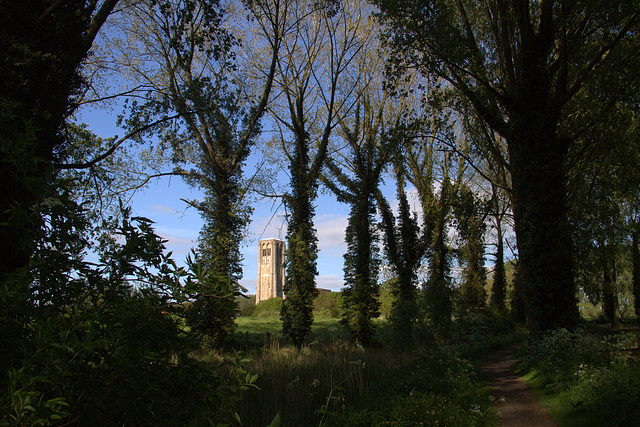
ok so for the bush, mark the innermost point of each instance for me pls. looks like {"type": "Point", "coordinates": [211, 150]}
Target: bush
{"type": "Point", "coordinates": [246, 304]}
{"type": "Point", "coordinates": [103, 343]}
{"type": "Point", "coordinates": [327, 304]}
{"type": "Point", "coordinates": [414, 410]}
{"type": "Point", "coordinates": [559, 354]}
{"type": "Point", "coordinates": [441, 372]}
{"type": "Point", "coordinates": [268, 308]}
{"type": "Point", "coordinates": [597, 381]}
{"type": "Point", "coordinates": [608, 395]}
{"type": "Point", "coordinates": [248, 311]}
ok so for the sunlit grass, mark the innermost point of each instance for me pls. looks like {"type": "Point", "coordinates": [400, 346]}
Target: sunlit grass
{"type": "Point", "coordinates": [554, 401]}
{"type": "Point", "coordinates": [258, 331]}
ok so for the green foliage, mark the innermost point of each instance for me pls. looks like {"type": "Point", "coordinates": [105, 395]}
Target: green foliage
{"type": "Point", "coordinates": [607, 395]}
{"type": "Point", "coordinates": [369, 152]}
{"type": "Point", "coordinates": [415, 409]}
{"type": "Point", "coordinates": [328, 304]}
{"type": "Point", "coordinates": [212, 315]}
{"type": "Point", "coordinates": [438, 292]}
{"type": "Point", "coordinates": [102, 343]}
{"type": "Point", "coordinates": [299, 287]}
{"type": "Point", "coordinates": [246, 304]}
{"type": "Point", "coordinates": [268, 308]}
{"type": "Point", "coordinates": [386, 297]}
{"type": "Point", "coordinates": [361, 269]}
{"type": "Point", "coordinates": [405, 250]}
{"type": "Point", "coordinates": [595, 381]}
{"type": "Point", "coordinates": [499, 281]}
{"type": "Point", "coordinates": [471, 228]}
{"type": "Point", "coordinates": [435, 388]}
{"type": "Point", "coordinates": [560, 354]}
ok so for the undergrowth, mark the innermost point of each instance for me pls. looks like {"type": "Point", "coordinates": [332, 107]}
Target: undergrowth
{"type": "Point", "coordinates": [590, 376]}
{"type": "Point", "coordinates": [332, 382]}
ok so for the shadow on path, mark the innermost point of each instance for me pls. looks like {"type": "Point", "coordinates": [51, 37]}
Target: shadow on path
{"type": "Point", "coordinates": [520, 407]}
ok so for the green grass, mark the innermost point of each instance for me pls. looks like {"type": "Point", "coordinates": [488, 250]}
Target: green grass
{"type": "Point", "coordinates": [252, 331]}
{"type": "Point", "coordinates": [554, 401]}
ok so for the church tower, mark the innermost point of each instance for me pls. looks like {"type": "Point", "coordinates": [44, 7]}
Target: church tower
{"type": "Point", "coordinates": [270, 269]}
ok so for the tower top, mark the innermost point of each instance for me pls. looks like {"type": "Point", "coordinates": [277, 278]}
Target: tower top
{"type": "Point", "coordinates": [270, 238]}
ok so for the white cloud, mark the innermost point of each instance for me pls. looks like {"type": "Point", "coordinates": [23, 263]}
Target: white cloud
{"type": "Point", "coordinates": [331, 231]}
{"type": "Point", "coordinates": [178, 243]}
{"type": "Point", "coordinates": [329, 281]}
{"type": "Point", "coordinates": [163, 209]}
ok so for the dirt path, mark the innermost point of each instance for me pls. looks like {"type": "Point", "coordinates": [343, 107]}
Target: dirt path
{"type": "Point", "coordinates": [520, 407]}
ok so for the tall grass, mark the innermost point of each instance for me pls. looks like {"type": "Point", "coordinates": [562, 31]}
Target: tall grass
{"type": "Point", "coordinates": [334, 382]}
{"type": "Point", "coordinates": [312, 384]}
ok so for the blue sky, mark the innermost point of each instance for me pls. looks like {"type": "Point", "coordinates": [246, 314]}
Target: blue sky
{"type": "Point", "coordinates": [180, 224]}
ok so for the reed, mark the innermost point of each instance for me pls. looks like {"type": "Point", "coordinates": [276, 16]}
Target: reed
{"type": "Point", "coordinates": [310, 385]}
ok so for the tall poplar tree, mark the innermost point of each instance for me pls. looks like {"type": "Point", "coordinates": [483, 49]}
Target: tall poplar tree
{"type": "Point", "coordinates": [355, 180]}
{"type": "Point", "coordinates": [190, 65]}
{"type": "Point", "coordinates": [470, 216]}
{"type": "Point", "coordinates": [405, 250]}
{"type": "Point", "coordinates": [321, 42]}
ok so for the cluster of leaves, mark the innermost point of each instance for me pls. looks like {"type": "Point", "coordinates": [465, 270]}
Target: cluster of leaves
{"type": "Point", "coordinates": [438, 387]}
{"type": "Point", "coordinates": [103, 342]}
{"type": "Point", "coordinates": [597, 381]}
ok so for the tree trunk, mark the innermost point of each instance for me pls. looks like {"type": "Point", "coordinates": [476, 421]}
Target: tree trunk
{"type": "Point", "coordinates": [610, 293]}
{"type": "Point", "coordinates": [635, 256]}
{"type": "Point", "coordinates": [541, 225]}
{"type": "Point", "coordinates": [499, 286]}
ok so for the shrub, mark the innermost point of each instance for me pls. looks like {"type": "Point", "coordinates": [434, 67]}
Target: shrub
{"type": "Point", "coordinates": [418, 409]}
{"type": "Point", "coordinates": [103, 343]}
{"type": "Point", "coordinates": [608, 395]}
{"type": "Point", "coordinates": [559, 354]}
{"type": "Point", "coordinates": [268, 308]}
{"type": "Point", "coordinates": [327, 304]}
{"type": "Point", "coordinates": [248, 311]}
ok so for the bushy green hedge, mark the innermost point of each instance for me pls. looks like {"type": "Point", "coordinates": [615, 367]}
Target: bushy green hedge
{"type": "Point", "coordinates": [268, 308]}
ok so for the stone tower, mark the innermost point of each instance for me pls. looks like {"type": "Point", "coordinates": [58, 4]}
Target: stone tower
{"type": "Point", "coordinates": [270, 269]}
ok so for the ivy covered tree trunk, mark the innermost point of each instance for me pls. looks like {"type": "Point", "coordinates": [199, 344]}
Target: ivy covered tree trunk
{"type": "Point", "coordinates": [610, 301]}
{"type": "Point", "coordinates": [405, 251]}
{"type": "Point", "coordinates": [635, 258]}
{"type": "Point", "coordinates": [360, 295]}
{"type": "Point", "coordinates": [43, 46]}
{"type": "Point", "coordinates": [302, 247]}
{"type": "Point", "coordinates": [217, 268]}
{"type": "Point", "coordinates": [517, 303]}
{"type": "Point", "coordinates": [438, 291]}
{"type": "Point", "coordinates": [471, 229]}
{"type": "Point", "coordinates": [499, 286]}
{"type": "Point", "coordinates": [354, 177]}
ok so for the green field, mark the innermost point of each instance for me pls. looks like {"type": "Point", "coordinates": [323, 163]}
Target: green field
{"type": "Point", "coordinates": [252, 331]}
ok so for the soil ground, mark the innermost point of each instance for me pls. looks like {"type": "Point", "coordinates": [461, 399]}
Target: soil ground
{"type": "Point", "coordinates": [520, 407]}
